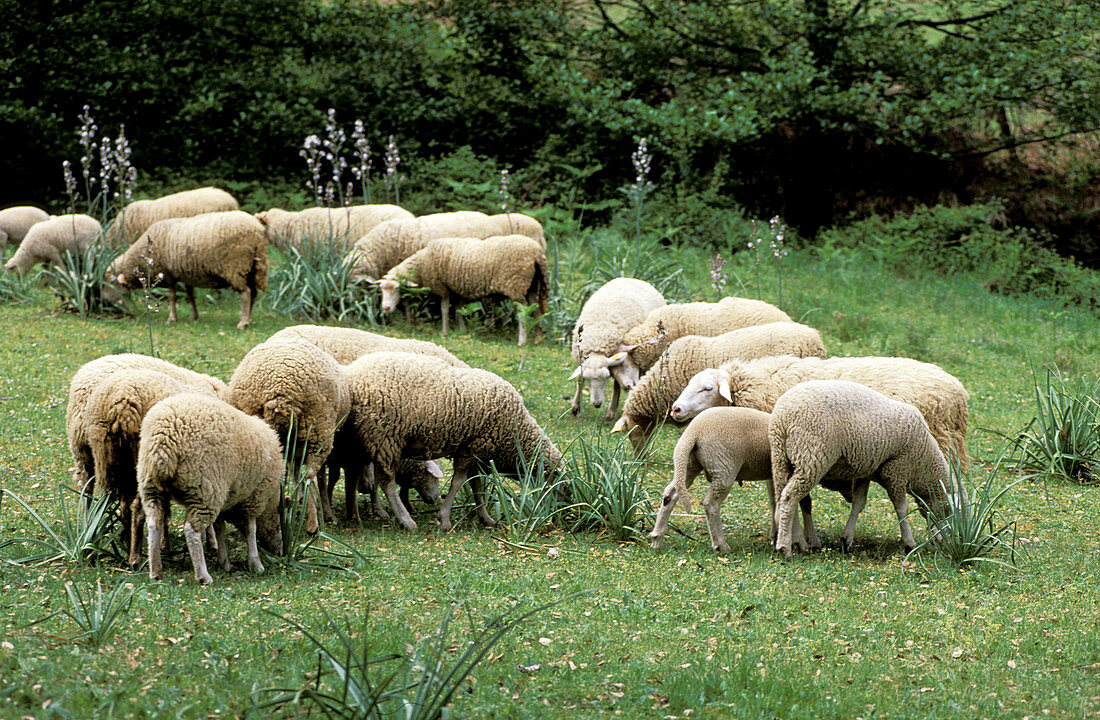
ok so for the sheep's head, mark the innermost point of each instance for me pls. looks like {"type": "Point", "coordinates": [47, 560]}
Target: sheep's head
{"type": "Point", "coordinates": [706, 389]}
{"type": "Point", "coordinates": [596, 369]}
{"type": "Point", "coordinates": [391, 291]}
{"type": "Point", "coordinates": [426, 482]}
{"type": "Point", "coordinates": [12, 265]}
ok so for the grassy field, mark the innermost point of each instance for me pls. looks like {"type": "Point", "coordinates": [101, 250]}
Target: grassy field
{"type": "Point", "coordinates": [681, 633]}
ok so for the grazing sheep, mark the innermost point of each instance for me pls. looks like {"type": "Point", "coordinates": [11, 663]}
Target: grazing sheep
{"type": "Point", "coordinates": [657, 391]}
{"type": "Point", "coordinates": [215, 250]}
{"type": "Point", "coordinates": [296, 388]}
{"type": "Point", "coordinates": [94, 373]}
{"type": "Point", "coordinates": [758, 384]}
{"type": "Point", "coordinates": [847, 434]}
{"type": "Point", "coordinates": [16, 221]}
{"type": "Point", "coordinates": [211, 458]}
{"type": "Point", "coordinates": [729, 445]}
{"type": "Point", "coordinates": [670, 322]}
{"type": "Point", "coordinates": [343, 225]}
{"type": "Point", "coordinates": [598, 349]}
{"type": "Point", "coordinates": [391, 242]}
{"type": "Point", "coordinates": [419, 407]}
{"type": "Point", "coordinates": [47, 241]}
{"type": "Point", "coordinates": [139, 215]}
{"type": "Point", "coordinates": [510, 265]}
{"type": "Point", "coordinates": [349, 344]}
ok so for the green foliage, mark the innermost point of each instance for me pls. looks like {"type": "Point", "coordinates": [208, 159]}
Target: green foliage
{"type": "Point", "coordinates": [98, 617]}
{"type": "Point", "coordinates": [530, 503]}
{"type": "Point", "coordinates": [83, 536]}
{"type": "Point", "coordinates": [79, 281]}
{"type": "Point", "coordinates": [458, 180]}
{"type": "Point", "coordinates": [1063, 438]}
{"type": "Point", "coordinates": [311, 282]}
{"type": "Point", "coordinates": [16, 288]}
{"type": "Point", "coordinates": [607, 489]}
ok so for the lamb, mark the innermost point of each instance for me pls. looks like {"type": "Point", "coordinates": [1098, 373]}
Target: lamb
{"type": "Point", "coordinates": [390, 242]}
{"type": "Point", "coordinates": [343, 225]}
{"type": "Point", "coordinates": [657, 391]}
{"type": "Point", "coordinates": [214, 460]}
{"type": "Point", "coordinates": [223, 249]}
{"type": "Point", "coordinates": [139, 215]}
{"type": "Point", "coordinates": [419, 407]}
{"type": "Point", "coordinates": [847, 434]}
{"type": "Point", "coordinates": [296, 388]}
{"type": "Point", "coordinates": [670, 322]}
{"type": "Point", "coordinates": [46, 241]}
{"type": "Point", "coordinates": [758, 384]}
{"type": "Point", "coordinates": [16, 221]}
{"type": "Point", "coordinates": [510, 265]}
{"type": "Point", "coordinates": [729, 445]}
{"type": "Point", "coordinates": [598, 349]}
{"type": "Point", "coordinates": [349, 344]}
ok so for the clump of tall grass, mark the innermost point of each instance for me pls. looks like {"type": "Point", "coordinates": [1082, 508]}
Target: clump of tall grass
{"type": "Point", "coordinates": [1063, 438]}
{"type": "Point", "coordinates": [82, 536]}
{"type": "Point", "coordinates": [98, 616]}
{"type": "Point", "coordinates": [531, 502]}
{"type": "Point", "coordinates": [313, 283]}
{"type": "Point", "coordinates": [607, 489]}
{"type": "Point", "coordinates": [78, 281]}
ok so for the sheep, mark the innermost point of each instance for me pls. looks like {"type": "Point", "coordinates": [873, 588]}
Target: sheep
{"type": "Point", "coordinates": [47, 241]}
{"type": "Point", "coordinates": [510, 265]}
{"type": "Point", "coordinates": [16, 221]}
{"type": "Point", "coordinates": [296, 388]}
{"type": "Point", "coordinates": [96, 372]}
{"type": "Point", "coordinates": [343, 225]}
{"type": "Point", "coordinates": [214, 460]}
{"type": "Point", "coordinates": [657, 391]}
{"type": "Point", "coordinates": [846, 434]}
{"type": "Point", "coordinates": [939, 396]}
{"type": "Point", "coordinates": [138, 216]}
{"type": "Point", "coordinates": [729, 445]}
{"type": "Point", "coordinates": [112, 424]}
{"type": "Point", "coordinates": [222, 249]}
{"type": "Point", "coordinates": [390, 242]}
{"type": "Point", "coordinates": [598, 349]}
{"type": "Point", "coordinates": [419, 407]}
{"type": "Point", "coordinates": [670, 322]}
{"type": "Point", "coordinates": [349, 344]}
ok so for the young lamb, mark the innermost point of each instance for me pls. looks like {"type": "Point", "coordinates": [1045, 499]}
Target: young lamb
{"type": "Point", "coordinates": [511, 265]}
{"type": "Point", "coordinates": [598, 349]}
{"type": "Point", "coordinates": [419, 407]}
{"type": "Point", "coordinates": [665, 324]}
{"type": "Point", "coordinates": [211, 458]}
{"type": "Point", "coordinates": [16, 221]}
{"type": "Point", "coordinates": [844, 434]}
{"type": "Point", "coordinates": [46, 241]}
{"type": "Point", "coordinates": [655, 394]}
{"type": "Point", "coordinates": [939, 396]}
{"type": "Point", "coordinates": [343, 225]}
{"type": "Point", "coordinates": [295, 387]}
{"type": "Point", "coordinates": [349, 344]}
{"type": "Point", "coordinates": [390, 242]}
{"type": "Point", "coordinates": [139, 215]}
{"type": "Point", "coordinates": [729, 445]}
{"type": "Point", "coordinates": [223, 249]}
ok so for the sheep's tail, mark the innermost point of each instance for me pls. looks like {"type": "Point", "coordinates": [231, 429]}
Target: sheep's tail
{"type": "Point", "coordinates": [157, 460]}
{"type": "Point", "coordinates": [539, 291]}
{"type": "Point", "coordinates": [681, 458]}
{"type": "Point", "coordinates": [257, 274]}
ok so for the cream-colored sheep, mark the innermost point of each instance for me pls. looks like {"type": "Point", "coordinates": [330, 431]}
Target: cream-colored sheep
{"type": "Point", "coordinates": [138, 216]}
{"type": "Point", "coordinates": [665, 324]}
{"type": "Point", "coordinates": [391, 242]}
{"type": "Point", "coordinates": [758, 384]}
{"type": "Point", "coordinates": [419, 407]}
{"type": "Point", "coordinates": [215, 250]}
{"type": "Point", "coordinates": [655, 394]}
{"type": "Point", "coordinates": [598, 349]}
{"type": "Point", "coordinates": [211, 458]}
{"type": "Point", "coordinates": [16, 221]}
{"type": "Point", "coordinates": [47, 241]}
{"type": "Point", "coordinates": [349, 344]}
{"type": "Point", "coordinates": [729, 445]}
{"type": "Point", "coordinates": [511, 265]}
{"type": "Point", "coordinates": [844, 434]}
{"type": "Point", "coordinates": [342, 226]}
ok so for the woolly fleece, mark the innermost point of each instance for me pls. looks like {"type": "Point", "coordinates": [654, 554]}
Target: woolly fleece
{"type": "Point", "coordinates": [16, 221]}
{"type": "Point", "coordinates": [139, 216]}
{"type": "Point", "coordinates": [343, 225]}
{"type": "Point", "coordinates": [47, 241]}
{"type": "Point", "coordinates": [349, 344]}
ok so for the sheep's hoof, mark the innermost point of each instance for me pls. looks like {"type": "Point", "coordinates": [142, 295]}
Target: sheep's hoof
{"type": "Point", "coordinates": [204, 579]}
{"type": "Point", "coordinates": [723, 549]}
{"type": "Point", "coordinates": [574, 410]}
{"type": "Point", "coordinates": [656, 542]}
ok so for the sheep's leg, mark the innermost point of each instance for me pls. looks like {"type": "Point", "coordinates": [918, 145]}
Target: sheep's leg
{"type": "Point", "coordinates": [137, 521]}
{"type": "Point", "coordinates": [859, 501]}
{"type": "Point", "coordinates": [222, 547]}
{"type": "Point", "coordinates": [253, 551]}
{"type": "Point", "coordinates": [896, 491]}
{"type": "Point", "coordinates": [660, 527]}
{"type": "Point", "coordinates": [198, 558]}
{"type": "Point", "coordinates": [809, 532]}
{"type": "Point", "coordinates": [712, 507]}
{"type": "Point", "coordinates": [445, 311]}
{"type": "Point", "coordinates": [191, 298]}
{"type": "Point", "coordinates": [247, 298]}
{"type": "Point", "coordinates": [477, 485]}
{"type": "Point", "coordinates": [458, 479]}
{"type": "Point", "coordinates": [326, 479]}
{"type": "Point", "coordinates": [522, 327]}
{"type": "Point", "coordinates": [613, 408]}
{"type": "Point", "coordinates": [390, 488]}
{"type": "Point", "coordinates": [575, 405]}
{"type": "Point", "coordinates": [403, 493]}
{"type": "Point", "coordinates": [172, 302]}
{"type": "Point", "coordinates": [154, 527]}
{"type": "Point", "coordinates": [460, 319]}
{"type": "Point", "coordinates": [797, 487]}
{"type": "Point", "coordinates": [376, 503]}
{"type": "Point", "coordinates": [351, 490]}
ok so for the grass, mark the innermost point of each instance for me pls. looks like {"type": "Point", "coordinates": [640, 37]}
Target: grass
{"type": "Point", "coordinates": [655, 634]}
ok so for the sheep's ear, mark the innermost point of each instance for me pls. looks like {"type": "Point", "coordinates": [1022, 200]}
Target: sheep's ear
{"type": "Point", "coordinates": [121, 280]}
{"type": "Point", "coordinates": [617, 359]}
{"type": "Point", "coordinates": [621, 425]}
{"type": "Point", "coordinates": [433, 468]}
{"type": "Point", "coordinates": [369, 280]}
{"type": "Point", "coordinates": [724, 390]}
{"type": "Point", "coordinates": [627, 348]}
{"type": "Point", "coordinates": [410, 283]}
{"type": "Point", "coordinates": [576, 373]}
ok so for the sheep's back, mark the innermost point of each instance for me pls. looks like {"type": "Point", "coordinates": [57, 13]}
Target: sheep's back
{"type": "Point", "coordinates": [347, 345]}
{"type": "Point", "coordinates": [610, 312]}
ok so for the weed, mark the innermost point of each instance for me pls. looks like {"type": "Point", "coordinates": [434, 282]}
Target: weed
{"type": "Point", "coordinates": [1063, 438]}
{"type": "Point", "coordinates": [98, 617]}
{"type": "Point", "coordinates": [529, 504]}
{"type": "Point", "coordinates": [83, 538]}
{"type": "Point", "coordinates": [607, 488]}
{"type": "Point", "coordinates": [78, 282]}
{"type": "Point", "coordinates": [313, 283]}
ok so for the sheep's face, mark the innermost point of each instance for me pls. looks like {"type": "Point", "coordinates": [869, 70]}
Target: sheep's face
{"type": "Point", "coordinates": [706, 389]}
{"type": "Point", "coordinates": [596, 373]}
{"type": "Point", "coordinates": [391, 294]}
{"type": "Point", "coordinates": [426, 482]}
{"type": "Point", "coordinates": [626, 371]}
{"type": "Point", "coordinates": [12, 265]}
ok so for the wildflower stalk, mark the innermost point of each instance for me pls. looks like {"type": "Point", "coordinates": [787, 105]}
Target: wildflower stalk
{"type": "Point", "coordinates": [361, 171]}
{"type": "Point", "coordinates": [505, 204]}
{"type": "Point", "coordinates": [392, 159]}
{"type": "Point", "coordinates": [636, 193]}
{"type": "Point", "coordinates": [778, 251]}
{"type": "Point", "coordinates": [754, 248]}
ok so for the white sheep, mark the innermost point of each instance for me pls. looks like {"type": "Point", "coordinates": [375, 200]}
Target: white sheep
{"type": "Point", "coordinates": [16, 221]}
{"type": "Point", "coordinates": [342, 225]}
{"type": "Point", "coordinates": [419, 407]}
{"type": "Point", "coordinates": [667, 323]}
{"type": "Point", "coordinates": [349, 344]}
{"type": "Point", "coordinates": [138, 216]}
{"type": "Point", "coordinates": [598, 349]}
{"type": "Point", "coordinates": [211, 458]}
{"type": "Point", "coordinates": [390, 242]}
{"type": "Point", "coordinates": [655, 394]}
{"type": "Point", "coordinates": [843, 435]}
{"type": "Point", "coordinates": [758, 384]}
{"type": "Point", "coordinates": [511, 265]}
{"type": "Point", "coordinates": [47, 241]}
{"type": "Point", "coordinates": [223, 249]}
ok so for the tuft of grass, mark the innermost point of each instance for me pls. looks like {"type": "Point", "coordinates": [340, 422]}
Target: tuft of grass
{"type": "Point", "coordinates": [313, 283]}
{"type": "Point", "coordinates": [83, 536]}
{"type": "Point", "coordinates": [78, 282]}
{"type": "Point", "coordinates": [608, 489]}
{"type": "Point", "coordinates": [529, 504]}
{"type": "Point", "coordinates": [1063, 438]}
{"type": "Point", "coordinates": [16, 288]}
{"type": "Point", "coordinates": [98, 616]}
